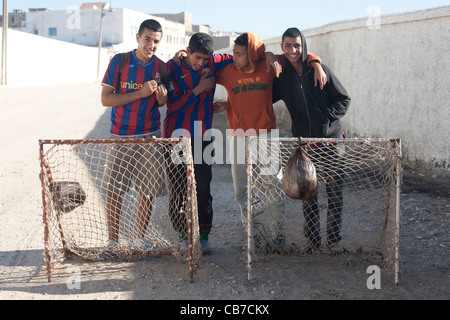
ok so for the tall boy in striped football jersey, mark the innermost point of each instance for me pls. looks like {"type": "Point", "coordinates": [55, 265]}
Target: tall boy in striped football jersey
{"type": "Point", "coordinates": [135, 93]}
{"type": "Point", "coordinates": [191, 86]}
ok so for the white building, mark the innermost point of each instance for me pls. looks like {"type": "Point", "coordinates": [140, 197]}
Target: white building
{"type": "Point", "coordinates": [118, 27]}
{"type": "Point", "coordinates": [73, 35]}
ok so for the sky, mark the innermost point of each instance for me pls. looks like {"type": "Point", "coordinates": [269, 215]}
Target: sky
{"type": "Point", "coordinates": [267, 19]}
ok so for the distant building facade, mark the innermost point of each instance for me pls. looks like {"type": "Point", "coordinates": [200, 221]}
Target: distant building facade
{"type": "Point", "coordinates": [81, 25]}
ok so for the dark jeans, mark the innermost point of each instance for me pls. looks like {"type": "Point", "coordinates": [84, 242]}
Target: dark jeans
{"type": "Point", "coordinates": [176, 174]}
{"type": "Point", "coordinates": [329, 158]}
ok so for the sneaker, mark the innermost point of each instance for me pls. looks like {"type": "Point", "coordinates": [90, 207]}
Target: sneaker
{"type": "Point", "coordinates": [309, 248]}
{"type": "Point", "coordinates": [336, 248]}
{"type": "Point", "coordinates": [141, 245]}
{"type": "Point", "coordinates": [112, 245]}
{"type": "Point", "coordinates": [109, 250]}
{"type": "Point", "coordinates": [205, 246]}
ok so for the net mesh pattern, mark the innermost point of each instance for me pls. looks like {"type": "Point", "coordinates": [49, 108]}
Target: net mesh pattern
{"type": "Point", "coordinates": [138, 192]}
{"type": "Point", "coordinates": [356, 205]}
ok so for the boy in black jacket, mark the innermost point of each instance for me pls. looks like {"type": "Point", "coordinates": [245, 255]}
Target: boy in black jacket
{"type": "Point", "coordinates": [315, 113]}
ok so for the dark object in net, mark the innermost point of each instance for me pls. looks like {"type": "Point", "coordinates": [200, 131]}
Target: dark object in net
{"type": "Point", "coordinates": [300, 179]}
{"type": "Point", "coordinates": [68, 195]}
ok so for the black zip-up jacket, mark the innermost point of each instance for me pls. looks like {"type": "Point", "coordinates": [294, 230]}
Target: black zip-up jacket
{"type": "Point", "coordinates": [315, 113]}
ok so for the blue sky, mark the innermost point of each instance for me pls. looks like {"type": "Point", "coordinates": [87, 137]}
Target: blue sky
{"type": "Point", "coordinates": [266, 18]}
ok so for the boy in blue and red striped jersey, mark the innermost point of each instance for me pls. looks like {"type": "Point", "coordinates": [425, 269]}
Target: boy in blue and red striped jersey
{"type": "Point", "coordinates": [191, 87]}
{"type": "Point", "coordinates": [135, 91]}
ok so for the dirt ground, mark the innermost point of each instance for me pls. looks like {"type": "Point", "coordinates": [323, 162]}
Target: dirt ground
{"type": "Point", "coordinates": [67, 112]}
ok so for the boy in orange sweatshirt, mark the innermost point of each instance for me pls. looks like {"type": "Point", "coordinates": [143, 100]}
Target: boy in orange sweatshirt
{"type": "Point", "coordinates": [249, 109]}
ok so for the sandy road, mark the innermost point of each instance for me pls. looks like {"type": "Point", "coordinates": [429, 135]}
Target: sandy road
{"type": "Point", "coordinates": [30, 114]}
{"type": "Point", "coordinates": [74, 112]}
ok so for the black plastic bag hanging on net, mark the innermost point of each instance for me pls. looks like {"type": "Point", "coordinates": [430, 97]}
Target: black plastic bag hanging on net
{"type": "Point", "coordinates": [299, 178]}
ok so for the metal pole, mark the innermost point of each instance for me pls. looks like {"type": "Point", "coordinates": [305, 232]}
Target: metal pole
{"type": "Point", "coordinates": [250, 247]}
{"type": "Point", "coordinates": [4, 47]}
{"type": "Point", "coordinates": [189, 207]}
{"type": "Point", "coordinates": [48, 259]}
{"type": "Point", "coordinates": [100, 43]}
{"type": "Point", "coordinates": [398, 169]}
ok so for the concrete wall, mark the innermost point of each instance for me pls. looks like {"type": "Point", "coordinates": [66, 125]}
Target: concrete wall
{"type": "Point", "coordinates": [398, 76]}
{"type": "Point", "coordinates": [34, 60]}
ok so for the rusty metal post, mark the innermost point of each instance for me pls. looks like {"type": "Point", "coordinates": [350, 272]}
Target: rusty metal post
{"type": "Point", "coordinates": [45, 214]}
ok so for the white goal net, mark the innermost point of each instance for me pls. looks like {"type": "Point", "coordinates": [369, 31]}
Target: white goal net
{"type": "Point", "coordinates": [357, 204]}
{"type": "Point", "coordinates": [119, 199]}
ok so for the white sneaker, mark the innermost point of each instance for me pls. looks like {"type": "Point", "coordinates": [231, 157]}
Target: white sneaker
{"type": "Point", "coordinates": [140, 244]}
{"type": "Point", "coordinates": [109, 250]}
{"type": "Point", "coordinates": [112, 245]}
{"type": "Point", "coordinates": [143, 245]}
{"type": "Point", "coordinates": [205, 246]}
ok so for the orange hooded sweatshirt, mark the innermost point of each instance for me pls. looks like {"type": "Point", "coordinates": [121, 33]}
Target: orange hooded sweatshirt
{"type": "Point", "coordinates": [249, 105]}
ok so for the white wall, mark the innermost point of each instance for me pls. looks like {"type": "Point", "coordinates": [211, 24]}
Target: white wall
{"type": "Point", "coordinates": [398, 77]}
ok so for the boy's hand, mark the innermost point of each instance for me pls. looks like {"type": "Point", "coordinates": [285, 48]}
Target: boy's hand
{"type": "Point", "coordinates": [148, 89]}
{"type": "Point", "coordinates": [161, 95]}
{"type": "Point", "coordinates": [179, 56]}
{"type": "Point", "coordinates": [272, 62]}
{"type": "Point", "coordinates": [320, 77]}
{"type": "Point", "coordinates": [204, 85]}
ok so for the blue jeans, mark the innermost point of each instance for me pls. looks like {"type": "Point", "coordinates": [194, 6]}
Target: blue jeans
{"type": "Point", "coordinates": [329, 159]}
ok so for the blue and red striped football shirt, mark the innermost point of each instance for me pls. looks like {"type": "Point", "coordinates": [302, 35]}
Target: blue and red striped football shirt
{"type": "Point", "coordinates": [142, 116]}
{"type": "Point", "coordinates": [189, 115]}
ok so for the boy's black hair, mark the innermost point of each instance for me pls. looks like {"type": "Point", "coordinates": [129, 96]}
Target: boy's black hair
{"type": "Point", "coordinates": [242, 40]}
{"type": "Point", "coordinates": [151, 25]}
{"type": "Point", "coordinates": [291, 33]}
{"type": "Point", "coordinates": [202, 43]}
